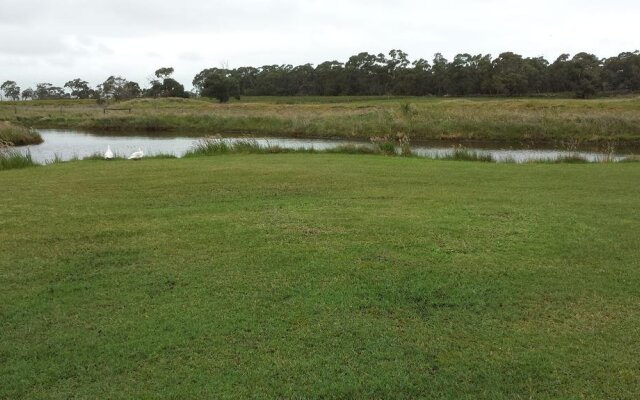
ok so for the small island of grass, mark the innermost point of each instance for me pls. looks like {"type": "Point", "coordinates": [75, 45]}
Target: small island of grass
{"type": "Point", "coordinates": [14, 135]}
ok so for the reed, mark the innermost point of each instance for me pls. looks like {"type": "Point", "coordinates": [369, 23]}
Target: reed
{"type": "Point", "coordinates": [14, 159]}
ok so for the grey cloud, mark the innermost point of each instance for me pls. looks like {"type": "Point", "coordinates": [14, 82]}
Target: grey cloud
{"type": "Point", "coordinates": [58, 40]}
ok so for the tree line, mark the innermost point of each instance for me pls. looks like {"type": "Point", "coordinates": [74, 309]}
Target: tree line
{"type": "Point", "coordinates": [366, 74]}
{"type": "Point", "coordinates": [114, 87]}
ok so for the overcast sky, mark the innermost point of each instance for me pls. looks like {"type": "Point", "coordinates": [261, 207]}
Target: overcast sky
{"type": "Point", "coordinates": [58, 40]}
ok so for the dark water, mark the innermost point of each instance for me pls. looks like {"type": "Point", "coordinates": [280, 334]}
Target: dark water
{"type": "Point", "coordinates": [67, 145]}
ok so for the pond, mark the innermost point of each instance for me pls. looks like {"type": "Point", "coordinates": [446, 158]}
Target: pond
{"type": "Point", "coordinates": [66, 145]}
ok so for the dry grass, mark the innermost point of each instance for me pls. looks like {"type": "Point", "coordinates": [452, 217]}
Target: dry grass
{"type": "Point", "coordinates": [507, 120]}
{"type": "Point", "coordinates": [13, 135]}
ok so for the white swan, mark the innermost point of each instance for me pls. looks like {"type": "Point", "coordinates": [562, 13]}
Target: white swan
{"type": "Point", "coordinates": [136, 155]}
{"type": "Point", "coordinates": [108, 155]}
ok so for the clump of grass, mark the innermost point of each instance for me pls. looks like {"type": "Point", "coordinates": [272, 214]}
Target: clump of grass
{"type": "Point", "coordinates": [18, 135]}
{"type": "Point", "coordinates": [216, 145]}
{"type": "Point", "coordinates": [57, 159]}
{"type": "Point", "coordinates": [384, 145]}
{"type": "Point", "coordinates": [392, 145]}
{"type": "Point", "coordinates": [245, 146]}
{"type": "Point", "coordinates": [406, 109]}
{"type": "Point", "coordinates": [211, 146]}
{"type": "Point", "coordinates": [13, 159]}
{"type": "Point", "coordinates": [462, 154]}
{"type": "Point", "coordinates": [353, 149]}
{"type": "Point", "coordinates": [571, 159]}
{"type": "Point", "coordinates": [609, 152]}
{"type": "Point", "coordinates": [404, 143]}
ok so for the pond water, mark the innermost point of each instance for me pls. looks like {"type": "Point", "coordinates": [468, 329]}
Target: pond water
{"type": "Point", "coordinates": [67, 145]}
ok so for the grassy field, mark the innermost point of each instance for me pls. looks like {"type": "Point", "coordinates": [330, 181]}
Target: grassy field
{"type": "Point", "coordinates": [319, 276]}
{"type": "Point", "coordinates": [505, 120]}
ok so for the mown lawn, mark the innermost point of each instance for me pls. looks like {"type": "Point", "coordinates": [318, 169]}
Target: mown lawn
{"type": "Point", "coordinates": [319, 276]}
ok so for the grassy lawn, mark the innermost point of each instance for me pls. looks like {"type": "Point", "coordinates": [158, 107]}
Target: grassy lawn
{"type": "Point", "coordinates": [494, 119]}
{"type": "Point", "coordinates": [319, 276]}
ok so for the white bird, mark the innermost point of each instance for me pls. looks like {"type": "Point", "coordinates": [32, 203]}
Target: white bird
{"type": "Point", "coordinates": [108, 155]}
{"type": "Point", "coordinates": [136, 155]}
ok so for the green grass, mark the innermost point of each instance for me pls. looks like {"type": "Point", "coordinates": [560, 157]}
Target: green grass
{"type": "Point", "coordinates": [12, 159]}
{"type": "Point", "coordinates": [526, 120]}
{"type": "Point", "coordinates": [319, 276]}
{"type": "Point", "coordinates": [215, 146]}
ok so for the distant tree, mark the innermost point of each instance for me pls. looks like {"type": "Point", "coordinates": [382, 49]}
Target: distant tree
{"type": "Point", "coordinates": [168, 87]}
{"type": "Point", "coordinates": [118, 88]}
{"type": "Point", "coordinates": [246, 78]}
{"type": "Point", "coordinates": [79, 89]}
{"type": "Point", "coordinates": [11, 90]}
{"type": "Point", "coordinates": [536, 69]}
{"type": "Point", "coordinates": [198, 80]}
{"type": "Point", "coordinates": [330, 78]}
{"type": "Point", "coordinates": [220, 86]}
{"type": "Point", "coordinates": [558, 73]}
{"type": "Point", "coordinates": [622, 72]}
{"type": "Point", "coordinates": [302, 80]}
{"type": "Point", "coordinates": [584, 75]}
{"type": "Point", "coordinates": [276, 79]}
{"type": "Point", "coordinates": [164, 73]}
{"type": "Point", "coordinates": [130, 90]}
{"type": "Point", "coordinates": [28, 93]}
{"type": "Point", "coordinates": [462, 73]}
{"type": "Point", "coordinates": [397, 71]}
{"type": "Point", "coordinates": [173, 88]}
{"type": "Point", "coordinates": [417, 81]}
{"type": "Point", "coordinates": [510, 74]}
{"type": "Point", "coordinates": [441, 78]}
{"type": "Point", "coordinates": [46, 91]}
{"type": "Point", "coordinates": [154, 90]}
{"type": "Point", "coordinates": [368, 74]}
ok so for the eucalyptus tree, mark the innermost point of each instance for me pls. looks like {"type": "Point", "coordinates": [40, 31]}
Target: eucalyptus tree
{"type": "Point", "coordinates": [11, 90]}
{"type": "Point", "coordinates": [510, 74]}
{"type": "Point", "coordinates": [79, 89]}
{"type": "Point", "coordinates": [168, 87]}
{"type": "Point", "coordinates": [441, 78]}
{"type": "Point", "coordinates": [330, 78]}
{"type": "Point", "coordinates": [28, 94]}
{"type": "Point", "coordinates": [164, 73]}
{"type": "Point", "coordinates": [246, 78]}
{"type": "Point", "coordinates": [118, 88]}
{"type": "Point", "coordinates": [219, 85]}
{"type": "Point", "coordinates": [46, 91]}
{"type": "Point", "coordinates": [585, 75]}
{"type": "Point", "coordinates": [558, 73]}
{"type": "Point", "coordinates": [622, 73]}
